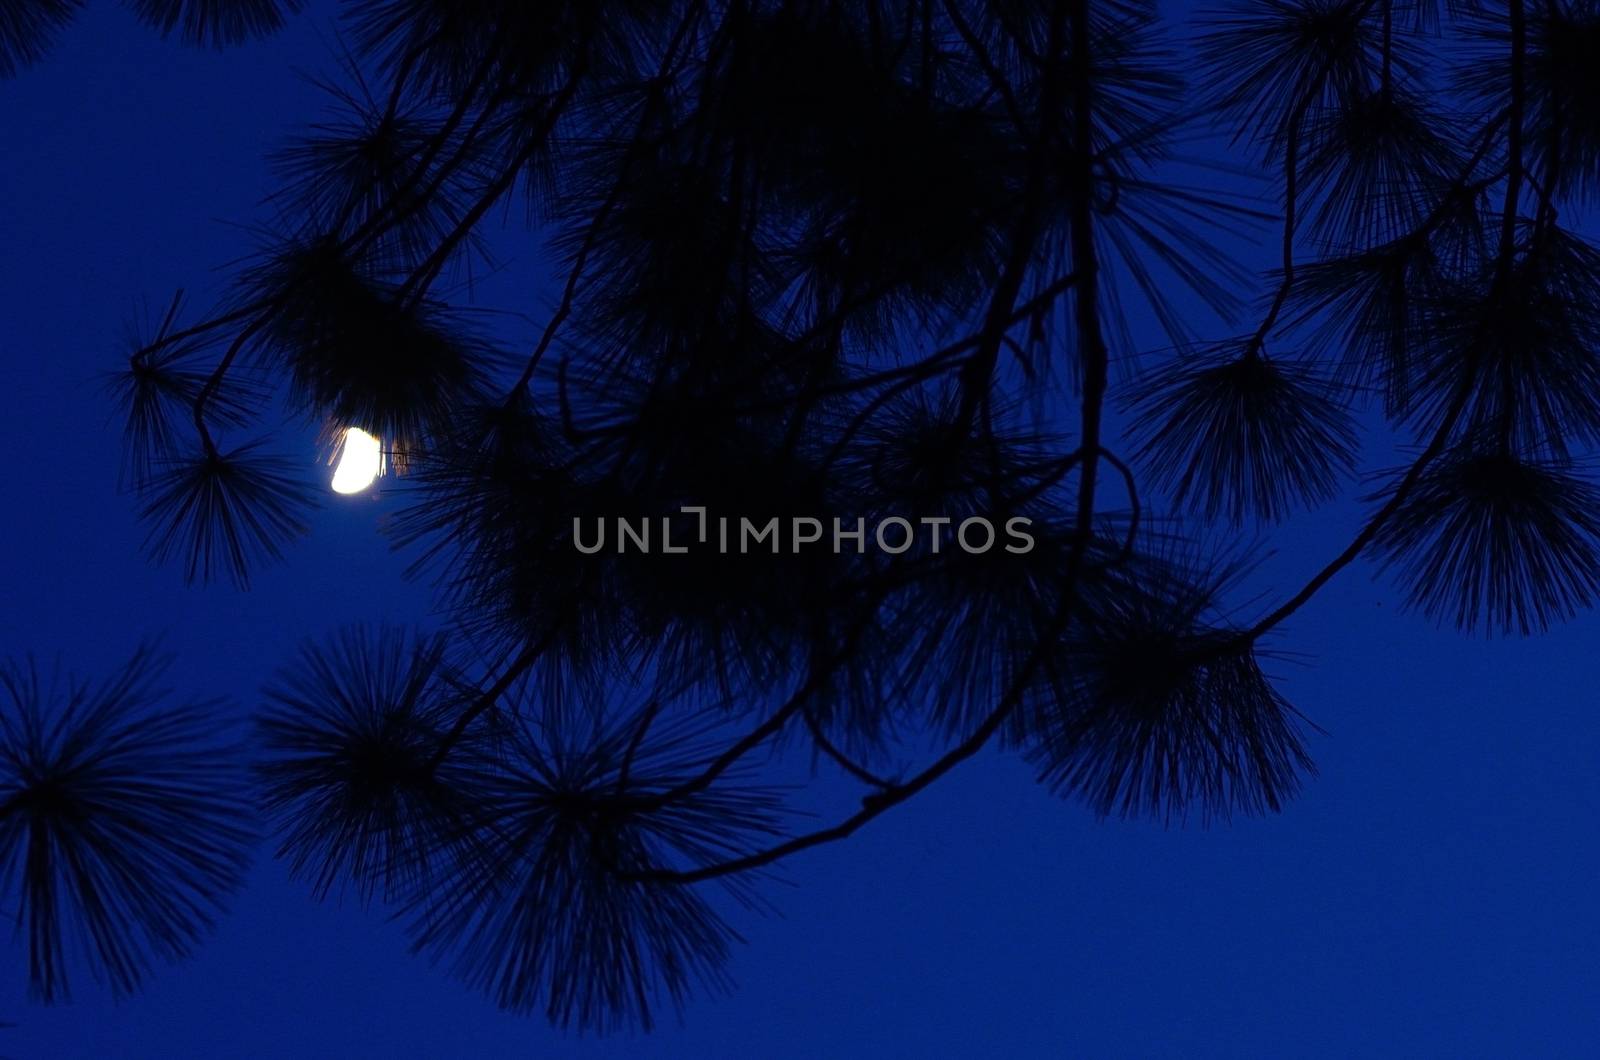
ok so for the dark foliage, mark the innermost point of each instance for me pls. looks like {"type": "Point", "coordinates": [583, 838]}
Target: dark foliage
{"type": "Point", "coordinates": [1240, 435]}
{"type": "Point", "coordinates": [157, 391]}
{"type": "Point", "coordinates": [549, 915]}
{"type": "Point", "coordinates": [1493, 540]}
{"type": "Point", "coordinates": [1270, 63]}
{"type": "Point", "coordinates": [215, 22]}
{"type": "Point", "coordinates": [874, 261]}
{"type": "Point", "coordinates": [1563, 116]}
{"type": "Point", "coordinates": [1376, 166]}
{"type": "Point", "coordinates": [122, 823]}
{"type": "Point", "coordinates": [222, 513]}
{"type": "Point", "coordinates": [374, 174]}
{"type": "Point", "coordinates": [359, 351]}
{"type": "Point", "coordinates": [1165, 707]}
{"type": "Point", "coordinates": [28, 28]}
{"type": "Point", "coordinates": [350, 736]}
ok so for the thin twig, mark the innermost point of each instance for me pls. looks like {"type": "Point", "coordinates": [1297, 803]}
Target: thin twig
{"type": "Point", "coordinates": [827, 747]}
{"type": "Point", "coordinates": [639, 730]}
{"type": "Point", "coordinates": [487, 699]}
{"type": "Point", "coordinates": [879, 802]}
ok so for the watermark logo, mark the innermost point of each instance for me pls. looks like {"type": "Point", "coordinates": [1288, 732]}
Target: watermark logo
{"type": "Point", "coordinates": [894, 535]}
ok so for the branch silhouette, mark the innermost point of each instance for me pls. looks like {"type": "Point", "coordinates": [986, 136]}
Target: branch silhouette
{"type": "Point", "coordinates": [846, 266]}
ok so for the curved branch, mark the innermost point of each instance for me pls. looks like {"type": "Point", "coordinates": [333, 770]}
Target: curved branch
{"type": "Point", "coordinates": [1024, 238]}
{"type": "Point", "coordinates": [893, 795]}
{"type": "Point", "coordinates": [592, 236]}
{"type": "Point", "coordinates": [487, 699]}
{"type": "Point", "coordinates": [217, 375]}
{"type": "Point", "coordinates": [1370, 531]}
{"type": "Point", "coordinates": [827, 747]}
{"type": "Point", "coordinates": [1086, 306]}
{"type": "Point", "coordinates": [421, 278]}
{"type": "Point", "coordinates": [744, 745]}
{"type": "Point", "coordinates": [1087, 318]}
{"type": "Point", "coordinates": [1441, 437]}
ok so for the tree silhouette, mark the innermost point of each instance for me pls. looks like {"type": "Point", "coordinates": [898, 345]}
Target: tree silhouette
{"type": "Point", "coordinates": [834, 262]}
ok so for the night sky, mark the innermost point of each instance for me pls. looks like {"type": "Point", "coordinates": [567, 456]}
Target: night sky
{"type": "Point", "coordinates": [1431, 893]}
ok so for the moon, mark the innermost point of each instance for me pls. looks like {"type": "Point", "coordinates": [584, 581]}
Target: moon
{"type": "Point", "coordinates": [360, 461]}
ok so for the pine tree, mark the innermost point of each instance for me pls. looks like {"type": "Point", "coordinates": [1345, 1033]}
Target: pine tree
{"type": "Point", "coordinates": [828, 262]}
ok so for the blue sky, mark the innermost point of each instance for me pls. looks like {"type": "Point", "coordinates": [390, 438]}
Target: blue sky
{"type": "Point", "coordinates": [1431, 893]}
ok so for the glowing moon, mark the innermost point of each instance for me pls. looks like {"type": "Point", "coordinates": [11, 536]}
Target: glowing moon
{"type": "Point", "coordinates": [360, 462]}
